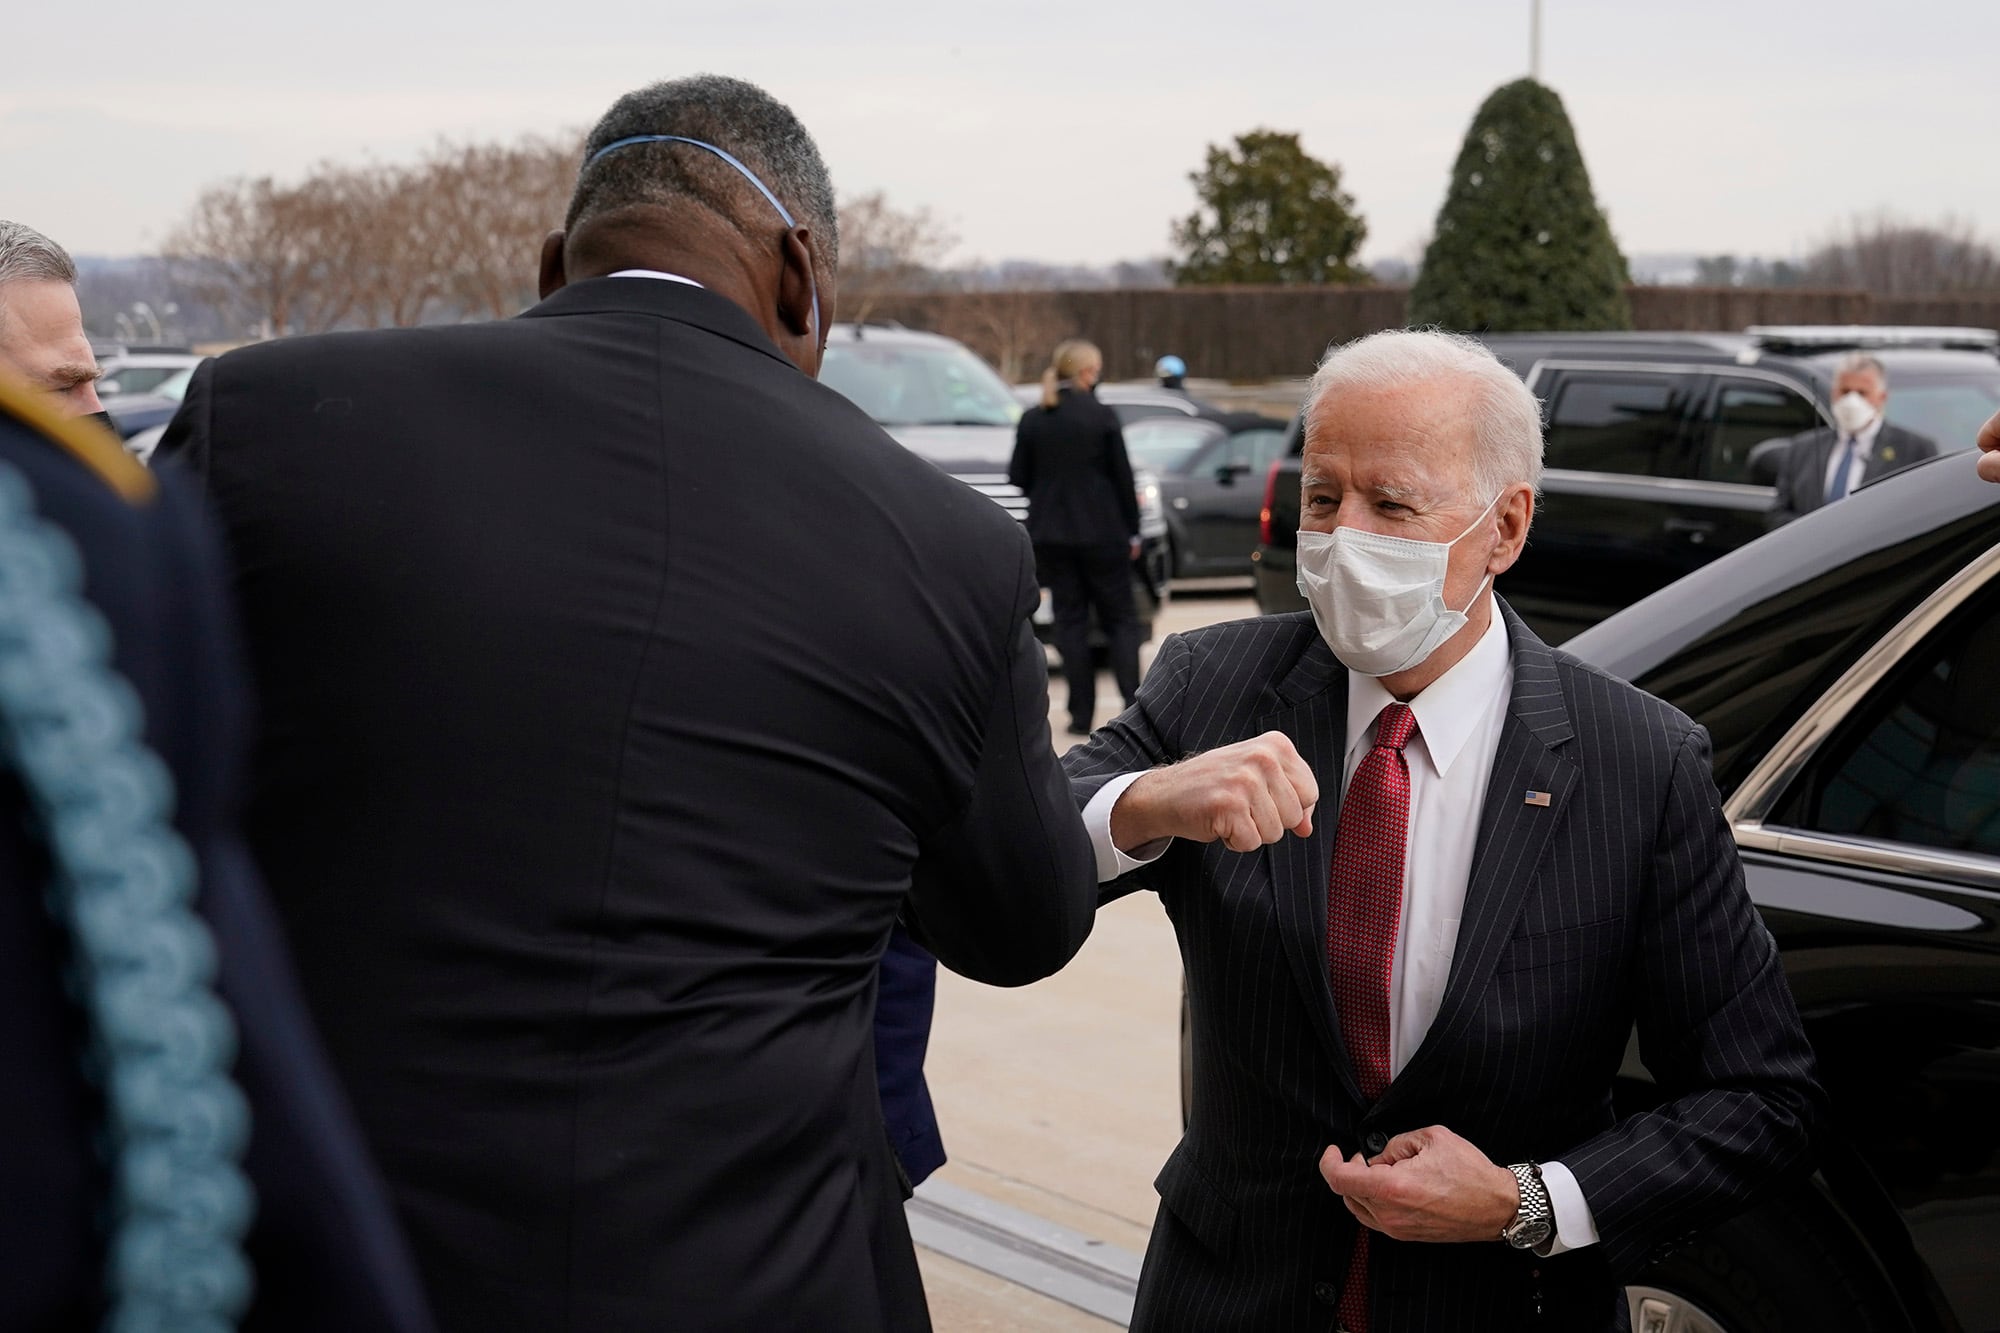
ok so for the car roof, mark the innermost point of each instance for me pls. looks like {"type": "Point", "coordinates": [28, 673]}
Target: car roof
{"type": "Point", "coordinates": [1812, 352]}
{"type": "Point", "coordinates": [894, 335]}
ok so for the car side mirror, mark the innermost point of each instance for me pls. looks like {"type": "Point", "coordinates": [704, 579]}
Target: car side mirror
{"type": "Point", "coordinates": [1766, 459]}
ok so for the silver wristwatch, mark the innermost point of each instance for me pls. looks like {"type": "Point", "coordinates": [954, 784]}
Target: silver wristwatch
{"type": "Point", "coordinates": [1534, 1220]}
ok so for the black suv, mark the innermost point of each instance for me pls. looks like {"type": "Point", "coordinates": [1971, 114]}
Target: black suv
{"type": "Point", "coordinates": [1653, 465]}
{"type": "Point", "coordinates": [942, 403]}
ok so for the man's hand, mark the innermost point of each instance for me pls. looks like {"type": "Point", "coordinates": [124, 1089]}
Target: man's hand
{"type": "Point", "coordinates": [1428, 1185]}
{"type": "Point", "coordinates": [1244, 795]}
{"type": "Point", "coordinates": [1989, 444]}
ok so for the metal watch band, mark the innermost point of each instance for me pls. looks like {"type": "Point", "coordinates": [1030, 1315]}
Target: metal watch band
{"type": "Point", "coordinates": [1534, 1219]}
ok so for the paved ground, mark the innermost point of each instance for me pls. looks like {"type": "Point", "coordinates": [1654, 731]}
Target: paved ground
{"type": "Point", "coordinates": [1063, 1098]}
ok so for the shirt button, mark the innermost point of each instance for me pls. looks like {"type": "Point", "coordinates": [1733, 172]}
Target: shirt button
{"type": "Point", "coordinates": [1326, 1292]}
{"type": "Point", "coordinates": [1375, 1143]}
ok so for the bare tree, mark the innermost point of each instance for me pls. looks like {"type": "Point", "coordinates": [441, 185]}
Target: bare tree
{"type": "Point", "coordinates": [277, 252]}
{"type": "Point", "coordinates": [885, 249]}
{"type": "Point", "coordinates": [1889, 257]}
{"type": "Point", "coordinates": [1016, 331]}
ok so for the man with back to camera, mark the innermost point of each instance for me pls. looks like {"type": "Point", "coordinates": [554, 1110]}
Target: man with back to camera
{"type": "Point", "coordinates": [1830, 463]}
{"type": "Point", "coordinates": [1427, 874]}
{"type": "Point", "coordinates": [621, 686]}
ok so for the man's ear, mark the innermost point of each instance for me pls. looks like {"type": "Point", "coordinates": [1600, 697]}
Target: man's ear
{"type": "Point", "coordinates": [553, 276]}
{"type": "Point", "coordinates": [1517, 515]}
{"type": "Point", "coordinates": [797, 285]}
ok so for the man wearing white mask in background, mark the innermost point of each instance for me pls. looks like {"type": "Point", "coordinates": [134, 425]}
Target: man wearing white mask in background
{"type": "Point", "coordinates": [1428, 874]}
{"type": "Point", "coordinates": [1831, 463]}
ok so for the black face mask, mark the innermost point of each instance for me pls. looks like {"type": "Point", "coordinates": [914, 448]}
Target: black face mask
{"type": "Point", "coordinates": [103, 419]}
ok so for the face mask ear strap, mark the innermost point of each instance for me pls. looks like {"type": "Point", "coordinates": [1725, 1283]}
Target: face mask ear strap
{"type": "Point", "coordinates": [784, 213]}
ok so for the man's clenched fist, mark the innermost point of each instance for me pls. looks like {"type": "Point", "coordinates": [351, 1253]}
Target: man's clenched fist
{"type": "Point", "coordinates": [1243, 795]}
{"type": "Point", "coordinates": [1989, 446]}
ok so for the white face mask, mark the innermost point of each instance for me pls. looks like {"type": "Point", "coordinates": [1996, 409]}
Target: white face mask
{"type": "Point", "coordinates": [1379, 601]}
{"type": "Point", "coordinates": [1852, 413]}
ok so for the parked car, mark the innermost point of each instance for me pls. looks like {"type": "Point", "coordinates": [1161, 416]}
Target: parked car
{"type": "Point", "coordinates": [128, 372]}
{"type": "Point", "coordinates": [944, 404]}
{"type": "Point", "coordinates": [132, 413]}
{"type": "Point", "coordinates": [1653, 468]}
{"type": "Point", "coordinates": [1209, 471]}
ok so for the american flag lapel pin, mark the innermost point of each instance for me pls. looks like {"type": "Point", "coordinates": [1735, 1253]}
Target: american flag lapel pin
{"type": "Point", "coordinates": [1538, 798]}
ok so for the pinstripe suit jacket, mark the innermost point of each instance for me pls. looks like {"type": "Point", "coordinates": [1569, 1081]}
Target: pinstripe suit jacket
{"type": "Point", "coordinates": [1620, 903]}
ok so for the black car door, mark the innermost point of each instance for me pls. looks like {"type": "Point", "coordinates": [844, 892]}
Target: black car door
{"type": "Point", "coordinates": [1617, 465]}
{"type": "Point", "coordinates": [1871, 837]}
{"type": "Point", "coordinates": [1728, 504]}
{"type": "Point", "coordinates": [1225, 487]}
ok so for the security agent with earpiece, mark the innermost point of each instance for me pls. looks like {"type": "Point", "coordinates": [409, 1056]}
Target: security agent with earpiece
{"type": "Point", "coordinates": [621, 688]}
{"type": "Point", "coordinates": [174, 1151]}
{"type": "Point", "coordinates": [1822, 466]}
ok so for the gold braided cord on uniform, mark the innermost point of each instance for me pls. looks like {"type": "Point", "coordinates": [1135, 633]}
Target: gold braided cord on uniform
{"type": "Point", "coordinates": [91, 445]}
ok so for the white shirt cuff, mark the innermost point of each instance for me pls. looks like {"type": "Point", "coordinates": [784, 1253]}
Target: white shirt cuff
{"type": "Point", "coordinates": [1575, 1227]}
{"type": "Point", "coordinates": [1111, 863]}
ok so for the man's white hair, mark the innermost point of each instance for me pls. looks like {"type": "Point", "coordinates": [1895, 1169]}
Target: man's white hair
{"type": "Point", "coordinates": [1506, 419]}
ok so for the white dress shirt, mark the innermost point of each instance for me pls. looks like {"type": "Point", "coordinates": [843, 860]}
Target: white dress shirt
{"type": "Point", "coordinates": [1857, 459]}
{"type": "Point", "coordinates": [1459, 720]}
{"type": "Point", "coordinates": [652, 273]}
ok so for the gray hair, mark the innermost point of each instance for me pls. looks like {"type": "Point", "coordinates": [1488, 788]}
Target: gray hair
{"type": "Point", "coordinates": [28, 256]}
{"type": "Point", "coordinates": [1506, 419]}
{"type": "Point", "coordinates": [739, 117]}
{"type": "Point", "coordinates": [1861, 361]}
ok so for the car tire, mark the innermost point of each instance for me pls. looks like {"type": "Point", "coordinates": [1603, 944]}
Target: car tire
{"type": "Point", "coordinates": [1783, 1267]}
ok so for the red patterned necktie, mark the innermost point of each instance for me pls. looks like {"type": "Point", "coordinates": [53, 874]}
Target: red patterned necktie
{"type": "Point", "coordinates": [1364, 906]}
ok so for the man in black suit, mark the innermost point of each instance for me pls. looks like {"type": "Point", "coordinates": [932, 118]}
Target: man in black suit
{"type": "Point", "coordinates": [1830, 463]}
{"type": "Point", "coordinates": [1427, 875]}
{"type": "Point", "coordinates": [621, 687]}
{"type": "Point", "coordinates": [324, 1250]}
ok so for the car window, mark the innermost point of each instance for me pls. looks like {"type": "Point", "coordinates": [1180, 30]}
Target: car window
{"type": "Point", "coordinates": [141, 379]}
{"type": "Point", "coordinates": [1946, 412]}
{"type": "Point", "coordinates": [903, 384]}
{"type": "Point", "coordinates": [1747, 413]}
{"type": "Point", "coordinates": [1254, 449]}
{"type": "Point", "coordinates": [1616, 422]}
{"type": "Point", "coordinates": [1919, 762]}
{"type": "Point", "coordinates": [1168, 444]}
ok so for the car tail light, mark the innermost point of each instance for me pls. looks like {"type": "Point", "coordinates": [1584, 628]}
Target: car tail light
{"type": "Point", "coordinates": [1270, 494]}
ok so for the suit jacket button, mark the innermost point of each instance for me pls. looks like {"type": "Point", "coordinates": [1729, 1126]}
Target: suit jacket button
{"type": "Point", "coordinates": [1375, 1143]}
{"type": "Point", "coordinates": [1327, 1292]}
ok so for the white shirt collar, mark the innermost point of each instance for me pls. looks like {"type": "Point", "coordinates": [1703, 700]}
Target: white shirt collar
{"type": "Point", "coordinates": [652, 273]}
{"type": "Point", "coordinates": [1450, 708]}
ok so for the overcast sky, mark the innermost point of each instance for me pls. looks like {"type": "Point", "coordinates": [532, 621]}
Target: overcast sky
{"type": "Point", "coordinates": [1060, 132]}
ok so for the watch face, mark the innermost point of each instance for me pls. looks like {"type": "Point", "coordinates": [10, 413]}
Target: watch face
{"type": "Point", "coordinates": [1527, 1235]}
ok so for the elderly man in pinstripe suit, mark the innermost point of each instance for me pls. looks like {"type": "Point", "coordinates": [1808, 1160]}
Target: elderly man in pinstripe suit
{"type": "Point", "coordinates": [1410, 994]}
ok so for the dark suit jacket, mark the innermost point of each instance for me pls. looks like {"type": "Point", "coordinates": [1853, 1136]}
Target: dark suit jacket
{"type": "Point", "coordinates": [1802, 472]}
{"type": "Point", "coordinates": [621, 686]}
{"type": "Point", "coordinates": [1621, 902]}
{"type": "Point", "coordinates": [1070, 461]}
{"type": "Point", "coordinates": [327, 1254]}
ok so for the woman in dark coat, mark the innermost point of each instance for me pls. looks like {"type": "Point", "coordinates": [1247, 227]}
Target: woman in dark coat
{"type": "Point", "coordinates": [1083, 515]}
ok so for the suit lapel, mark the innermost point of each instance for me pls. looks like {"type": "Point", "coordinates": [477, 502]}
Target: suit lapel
{"type": "Point", "coordinates": [1512, 837]}
{"type": "Point", "coordinates": [1313, 713]}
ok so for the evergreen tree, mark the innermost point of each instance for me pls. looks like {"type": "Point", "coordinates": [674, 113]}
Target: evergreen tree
{"type": "Point", "coordinates": [1271, 213]}
{"type": "Point", "coordinates": [1521, 243]}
